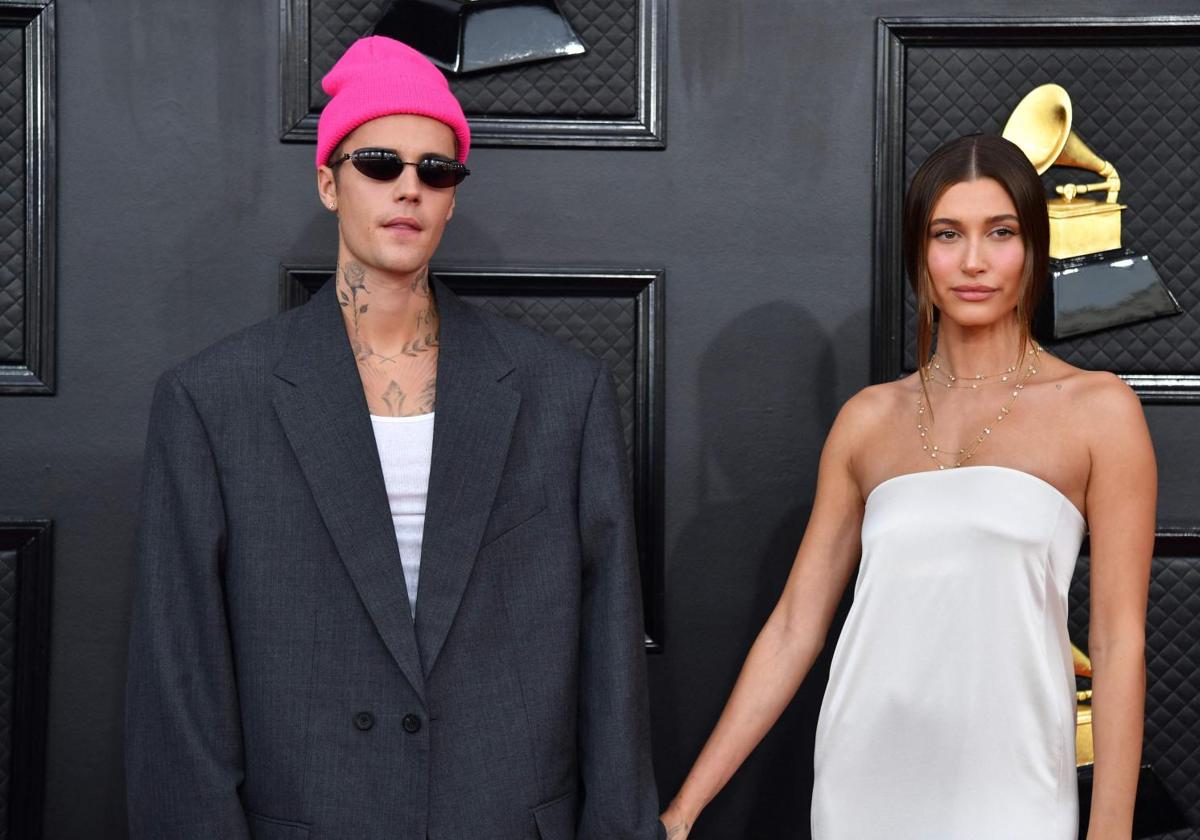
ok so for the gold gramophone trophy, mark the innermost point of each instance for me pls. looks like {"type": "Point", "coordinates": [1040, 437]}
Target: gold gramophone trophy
{"type": "Point", "coordinates": [1095, 283]}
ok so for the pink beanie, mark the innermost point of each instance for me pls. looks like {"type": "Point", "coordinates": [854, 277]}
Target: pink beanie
{"type": "Point", "coordinates": [378, 76]}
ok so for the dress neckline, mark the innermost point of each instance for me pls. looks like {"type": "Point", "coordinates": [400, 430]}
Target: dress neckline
{"type": "Point", "coordinates": [1028, 475]}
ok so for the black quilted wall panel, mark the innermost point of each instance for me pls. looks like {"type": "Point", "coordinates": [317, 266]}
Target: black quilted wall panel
{"type": "Point", "coordinates": [12, 196]}
{"type": "Point", "coordinates": [606, 327]}
{"type": "Point", "coordinates": [600, 83]}
{"type": "Point", "coordinates": [1138, 106]}
{"type": "Point", "coordinates": [8, 665]}
{"type": "Point", "coordinates": [24, 649]}
{"type": "Point", "coordinates": [1172, 739]}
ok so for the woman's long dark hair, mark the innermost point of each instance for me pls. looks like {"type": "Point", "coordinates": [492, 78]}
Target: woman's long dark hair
{"type": "Point", "coordinates": [968, 159]}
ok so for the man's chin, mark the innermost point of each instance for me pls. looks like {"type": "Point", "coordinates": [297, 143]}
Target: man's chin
{"type": "Point", "coordinates": [403, 266]}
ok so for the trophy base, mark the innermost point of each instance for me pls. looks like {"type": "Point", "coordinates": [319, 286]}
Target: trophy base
{"type": "Point", "coordinates": [465, 36]}
{"type": "Point", "coordinates": [1101, 291]}
{"type": "Point", "coordinates": [1154, 811]}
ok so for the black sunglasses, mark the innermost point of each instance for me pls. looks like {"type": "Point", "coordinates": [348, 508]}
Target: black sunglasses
{"type": "Point", "coordinates": [386, 165]}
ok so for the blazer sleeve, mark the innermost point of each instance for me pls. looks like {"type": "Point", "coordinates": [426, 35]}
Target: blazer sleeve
{"type": "Point", "coordinates": [183, 743]}
{"type": "Point", "coordinates": [620, 800]}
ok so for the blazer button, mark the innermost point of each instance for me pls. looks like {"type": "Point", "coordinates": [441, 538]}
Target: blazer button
{"type": "Point", "coordinates": [411, 724]}
{"type": "Point", "coordinates": [364, 721]}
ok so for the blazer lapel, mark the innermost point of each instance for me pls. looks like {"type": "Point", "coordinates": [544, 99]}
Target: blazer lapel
{"type": "Point", "coordinates": [475, 417]}
{"type": "Point", "coordinates": [319, 400]}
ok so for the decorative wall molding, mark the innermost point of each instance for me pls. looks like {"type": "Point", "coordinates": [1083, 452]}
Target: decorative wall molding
{"type": "Point", "coordinates": [903, 41]}
{"type": "Point", "coordinates": [28, 313]}
{"type": "Point", "coordinates": [646, 128]}
{"type": "Point", "coordinates": [25, 558]}
{"type": "Point", "coordinates": [636, 361]}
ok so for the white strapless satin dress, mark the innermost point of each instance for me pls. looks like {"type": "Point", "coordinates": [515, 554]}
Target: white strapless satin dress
{"type": "Point", "coordinates": [950, 710]}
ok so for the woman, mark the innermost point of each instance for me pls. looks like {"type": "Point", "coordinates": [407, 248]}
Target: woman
{"type": "Point", "coordinates": [949, 712]}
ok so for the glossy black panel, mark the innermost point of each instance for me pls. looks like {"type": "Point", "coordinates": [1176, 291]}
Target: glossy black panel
{"type": "Point", "coordinates": [1104, 290]}
{"type": "Point", "coordinates": [463, 36]}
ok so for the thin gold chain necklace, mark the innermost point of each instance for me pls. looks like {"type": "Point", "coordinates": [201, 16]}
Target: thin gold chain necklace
{"type": "Point", "coordinates": [935, 373]}
{"type": "Point", "coordinates": [965, 454]}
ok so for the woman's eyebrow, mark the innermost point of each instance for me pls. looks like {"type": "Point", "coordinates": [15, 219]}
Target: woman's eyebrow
{"type": "Point", "coordinates": [989, 220]}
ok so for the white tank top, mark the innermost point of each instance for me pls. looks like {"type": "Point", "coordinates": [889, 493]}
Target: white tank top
{"type": "Point", "coordinates": [405, 447]}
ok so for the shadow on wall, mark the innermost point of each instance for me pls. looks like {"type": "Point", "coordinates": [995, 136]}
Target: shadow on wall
{"type": "Point", "coordinates": [767, 396]}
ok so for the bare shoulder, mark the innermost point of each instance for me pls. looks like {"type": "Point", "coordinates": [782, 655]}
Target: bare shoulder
{"type": "Point", "coordinates": [870, 409]}
{"type": "Point", "coordinates": [1103, 406]}
{"type": "Point", "coordinates": [1104, 397]}
{"type": "Point", "coordinates": [1121, 486]}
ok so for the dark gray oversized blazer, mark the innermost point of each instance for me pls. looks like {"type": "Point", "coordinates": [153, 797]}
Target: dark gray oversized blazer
{"type": "Point", "coordinates": [278, 686]}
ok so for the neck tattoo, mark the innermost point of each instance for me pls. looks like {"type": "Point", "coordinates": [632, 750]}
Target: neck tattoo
{"type": "Point", "coordinates": [402, 381]}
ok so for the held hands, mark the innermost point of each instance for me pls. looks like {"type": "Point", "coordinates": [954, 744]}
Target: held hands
{"type": "Point", "coordinates": [677, 826]}
{"type": "Point", "coordinates": [678, 831]}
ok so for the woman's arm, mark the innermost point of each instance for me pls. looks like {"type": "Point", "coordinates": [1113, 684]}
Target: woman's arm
{"type": "Point", "coordinates": [1121, 498]}
{"type": "Point", "coordinates": [793, 634]}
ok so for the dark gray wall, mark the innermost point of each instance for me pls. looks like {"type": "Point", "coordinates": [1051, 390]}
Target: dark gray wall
{"type": "Point", "coordinates": [177, 204]}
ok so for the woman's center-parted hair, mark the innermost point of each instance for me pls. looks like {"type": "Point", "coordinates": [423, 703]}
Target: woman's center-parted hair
{"type": "Point", "coordinates": [969, 159]}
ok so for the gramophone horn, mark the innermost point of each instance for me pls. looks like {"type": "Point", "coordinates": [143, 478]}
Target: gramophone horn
{"type": "Point", "coordinates": [1040, 126]}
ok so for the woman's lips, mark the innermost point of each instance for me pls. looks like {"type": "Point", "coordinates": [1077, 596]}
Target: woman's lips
{"type": "Point", "coordinates": [974, 293]}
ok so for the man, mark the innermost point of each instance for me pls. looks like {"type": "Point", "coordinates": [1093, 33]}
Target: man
{"type": "Point", "coordinates": [353, 620]}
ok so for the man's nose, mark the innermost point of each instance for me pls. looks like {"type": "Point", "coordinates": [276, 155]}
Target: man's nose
{"type": "Point", "coordinates": [408, 186]}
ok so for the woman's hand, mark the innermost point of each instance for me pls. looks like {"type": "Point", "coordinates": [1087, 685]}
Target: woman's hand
{"type": "Point", "coordinates": [678, 827]}
{"type": "Point", "coordinates": [795, 632]}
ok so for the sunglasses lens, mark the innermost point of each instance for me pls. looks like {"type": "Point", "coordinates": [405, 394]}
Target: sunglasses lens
{"type": "Point", "coordinates": [441, 173]}
{"type": "Point", "coordinates": [386, 165]}
{"type": "Point", "coordinates": [380, 165]}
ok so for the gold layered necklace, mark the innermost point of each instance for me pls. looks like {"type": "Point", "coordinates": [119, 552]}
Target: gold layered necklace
{"type": "Point", "coordinates": [933, 373]}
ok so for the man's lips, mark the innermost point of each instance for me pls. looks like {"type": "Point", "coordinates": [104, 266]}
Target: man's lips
{"type": "Point", "coordinates": [403, 224]}
{"type": "Point", "coordinates": [974, 291]}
